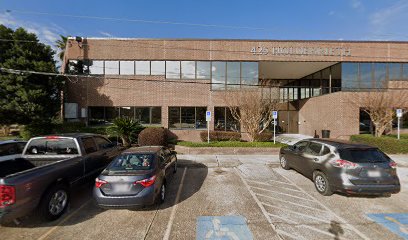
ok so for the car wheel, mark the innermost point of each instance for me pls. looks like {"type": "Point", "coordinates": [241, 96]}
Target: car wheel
{"type": "Point", "coordinates": [284, 163]}
{"type": "Point", "coordinates": [322, 184]}
{"type": "Point", "coordinates": [55, 202]}
{"type": "Point", "coordinates": [163, 192]}
{"type": "Point", "coordinates": [175, 166]}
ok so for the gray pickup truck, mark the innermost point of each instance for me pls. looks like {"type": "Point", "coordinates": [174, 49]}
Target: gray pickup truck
{"type": "Point", "coordinates": [49, 167]}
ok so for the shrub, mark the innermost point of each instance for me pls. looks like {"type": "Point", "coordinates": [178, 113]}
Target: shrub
{"type": "Point", "coordinates": [125, 128]}
{"type": "Point", "coordinates": [153, 136]}
{"type": "Point", "coordinates": [388, 144]}
{"type": "Point", "coordinates": [221, 136]}
{"type": "Point", "coordinates": [36, 129]}
{"type": "Point", "coordinates": [263, 137]}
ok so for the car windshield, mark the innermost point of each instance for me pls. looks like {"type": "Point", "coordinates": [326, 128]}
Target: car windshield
{"type": "Point", "coordinates": [370, 155]}
{"type": "Point", "coordinates": [131, 162]}
{"type": "Point", "coordinates": [52, 146]}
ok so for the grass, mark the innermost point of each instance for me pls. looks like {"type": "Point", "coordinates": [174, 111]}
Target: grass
{"type": "Point", "coordinates": [389, 144]}
{"type": "Point", "coordinates": [232, 144]}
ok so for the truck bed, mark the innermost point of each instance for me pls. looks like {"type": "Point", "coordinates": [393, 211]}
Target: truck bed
{"type": "Point", "coordinates": [14, 166]}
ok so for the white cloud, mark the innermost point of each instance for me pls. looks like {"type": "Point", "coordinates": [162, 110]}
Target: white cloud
{"type": "Point", "coordinates": [331, 13]}
{"type": "Point", "coordinates": [47, 34]}
{"type": "Point", "coordinates": [384, 16]}
{"type": "Point", "coordinates": [105, 34]}
{"type": "Point", "coordinates": [357, 4]}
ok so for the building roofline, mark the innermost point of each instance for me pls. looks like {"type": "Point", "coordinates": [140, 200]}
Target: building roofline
{"type": "Point", "coordinates": [239, 40]}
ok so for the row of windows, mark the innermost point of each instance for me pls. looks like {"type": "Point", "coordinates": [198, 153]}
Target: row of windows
{"type": "Point", "coordinates": [363, 76]}
{"type": "Point", "coordinates": [187, 118]}
{"type": "Point", "coordinates": [145, 115]}
{"type": "Point", "coordinates": [222, 74]}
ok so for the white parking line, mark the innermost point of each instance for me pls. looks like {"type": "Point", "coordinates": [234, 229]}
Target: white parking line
{"type": "Point", "coordinates": [45, 235]}
{"type": "Point", "coordinates": [265, 213]}
{"type": "Point", "coordinates": [295, 212]}
{"type": "Point", "coordinates": [351, 227]}
{"type": "Point", "coordinates": [285, 201]}
{"type": "Point", "coordinates": [266, 184]}
{"type": "Point", "coordinates": [267, 190]}
{"type": "Point", "coordinates": [173, 211]}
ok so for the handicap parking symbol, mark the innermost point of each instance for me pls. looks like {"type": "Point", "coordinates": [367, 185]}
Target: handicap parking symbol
{"type": "Point", "coordinates": [222, 228]}
{"type": "Point", "coordinates": [395, 222]}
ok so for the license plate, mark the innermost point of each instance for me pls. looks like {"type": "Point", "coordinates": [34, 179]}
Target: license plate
{"type": "Point", "coordinates": [122, 187]}
{"type": "Point", "coordinates": [374, 173]}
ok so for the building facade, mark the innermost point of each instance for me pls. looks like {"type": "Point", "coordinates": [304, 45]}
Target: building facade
{"type": "Point", "coordinates": [173, 82]}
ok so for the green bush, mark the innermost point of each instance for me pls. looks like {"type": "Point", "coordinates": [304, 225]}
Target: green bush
{"type": "Point", "coordinates": [220, 136]}
{"type": "Point", "coordinates": [125, 128]}
{"type": "Point", "coordinates": [153, 136]}
{"type": "Point", "coordinates": [264, 137]}
{"type": "Point", "coordinates": [389, 144]}
{"type": "Point", "coordinates": [36, 129]}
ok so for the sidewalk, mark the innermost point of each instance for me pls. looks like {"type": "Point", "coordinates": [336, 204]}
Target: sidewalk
{"type": "Point", "coordinates": [212, 161]}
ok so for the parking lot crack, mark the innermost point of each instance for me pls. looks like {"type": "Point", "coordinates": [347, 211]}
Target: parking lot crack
{"type": "Point", "coordinates": [151, 222]}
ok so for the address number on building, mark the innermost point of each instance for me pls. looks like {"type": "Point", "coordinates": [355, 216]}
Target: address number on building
{"type": "Point", "coordinates": [259, 51]}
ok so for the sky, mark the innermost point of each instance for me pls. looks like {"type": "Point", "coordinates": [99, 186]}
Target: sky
{"type": "Point", "coordinates": [214, 19]}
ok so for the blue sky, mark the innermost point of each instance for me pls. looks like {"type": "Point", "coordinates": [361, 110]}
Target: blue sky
{"type": "Point", "coordinates": [311, 19]}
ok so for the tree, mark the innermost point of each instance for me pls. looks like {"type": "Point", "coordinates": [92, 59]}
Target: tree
{"type": "Point", "coordinates": [380, 105]}
{"type": "Point", "coordinates": [25, 98]}
{"type": "Point", "coordinates": [61, 45]}
{"type": "Point", "coordinates": [252, 110]}
{"type": "Point", "coordinates": [126, 128]}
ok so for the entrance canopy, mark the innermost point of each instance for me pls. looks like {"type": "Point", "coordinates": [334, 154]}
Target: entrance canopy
{"type": "Point", "coordinates": [289, 70]}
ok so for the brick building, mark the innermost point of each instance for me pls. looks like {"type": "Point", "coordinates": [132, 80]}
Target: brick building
{"type": "Point", "coordinates": [173, 82]}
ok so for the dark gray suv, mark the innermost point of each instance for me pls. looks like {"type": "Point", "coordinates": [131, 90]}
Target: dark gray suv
{"type": "Point", "coordinates": [340, 166]}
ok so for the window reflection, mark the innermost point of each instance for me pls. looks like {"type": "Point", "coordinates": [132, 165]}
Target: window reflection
{"type": "Point", "coordinates": [405, 71]}
{"type": "Point", "coordinates": [173, 69]}
{"type": "Point", "coordinates": [349, 76]}
{"type": "Point", "coordinates": [380, 74]}
{"type": "Point", "coordinates": [142, 67]}
{"type": "Point", "coordinates": [187, 117]}
{"type": "Point", "coordinates": [394, 70]}
{"type": "Point", "coordinates": [188, 70]}
{"type": "Point", "coordinates": [127, 68]}
{"type": "Point", "coordinates": [218, 75]}
{"type": "Point", "coordinates": [96, 67]}
{"type": "Point", "coordinates": [112, 67]}
{"type": "Point", "coordinates": [233, 75]}
{"type": "Point", "coordinates": [158, 67]}
{"type": "Point", "coordinates": [249, 74]}
{"type": "Point", "coordinates": [203, 70]}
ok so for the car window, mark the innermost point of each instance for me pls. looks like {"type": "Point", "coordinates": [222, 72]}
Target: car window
{"type": "Point", "coordinates": [52, 145]}
{"type": "Point", "coordinates": [370, 155]}
{"type": "Point", "coordinates": [131, 162]}
{"type": "Point", "coordinates": [326, 150]}
{"type": "Point", "coordinates": [89, 145]}
{"type": "Point", "coordinates": [7, 149]}
{"type": "Point", "coordinates": [300, 146]}
{"type": "Point", "coordinates": [166, 152]}
{"type": "Point", "coordinates": [314, 148]}
{"type": "Point", "coordinates": [102, 143]}
{"type": "Point", "coordinates": [20, 147]}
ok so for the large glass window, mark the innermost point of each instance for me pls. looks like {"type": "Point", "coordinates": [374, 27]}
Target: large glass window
{"type": "Point", "coordinates": [142, 67]}
{"type": "Point", "coordinates": [158, 67]}
{"type": "Point", "coordinates": [156, 115]}
{"type": "Point", "coordinates": [173, 69]}
{"type": "Point", "coordinates": [380, 75]}
{"type": "Point", "coordinates": [405, 71]}
{"type": "Point", "coordinates": [127, 68]}
{"type": "Point", "coordinates": [145, 115]}
{"type": "Point", "coordinates": [96, 67]}
{"type": "Point", "coordinates": [203, 70]}
{"type": "Point", "coordinates": [127, 112]}
{"type": "Point", "coordinates": [233, 75]}
{"type": "Point", "coordinates": [249, 74]}
{"type": "Point", "coordinates": [111, 113]}
{"type": "Point", "coordinates": [96, 115]}
{"type": "Point", "coordinates": [187, 117]}
{"type": "Point", "coordinates": [142, 114]}
{"type": "Point", "coordinates": [224, 121]}
{"type": "Point", "coordinates": [349, 76]}
{"type": "Point", "coordinates": [394, 70]}
{"type": "Point", "coordinates": [112, 67]}
{"type": "Point", "coordinates": [218, 75]}
{"type": "Point", "coordinates": [366, 74]}
{"type": "Point", "coordinates": [188, 69]}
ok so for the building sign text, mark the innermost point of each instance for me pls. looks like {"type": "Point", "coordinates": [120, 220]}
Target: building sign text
{"type": "Point", "coordinates": [316, 51]}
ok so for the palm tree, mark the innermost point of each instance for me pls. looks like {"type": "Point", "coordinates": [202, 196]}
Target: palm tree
{"type": "Point", "coordinates": [61, 44]}
{"type": "Point", "coordinates": [126, 128]}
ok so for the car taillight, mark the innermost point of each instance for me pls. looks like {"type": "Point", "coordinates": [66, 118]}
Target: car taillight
{"type": "Point", "coordinates": [7, 195]}
{"type": "Point", "coordinates": [99, 183]}
{"type": "Point", "coordinates": [393, 164]}
{"type": "Point", "coordinates": [146, 182]}
{"type": "Point", "coordinates": [344, 164]}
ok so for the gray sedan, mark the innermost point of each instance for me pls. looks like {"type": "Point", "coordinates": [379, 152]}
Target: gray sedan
{"type": "Point", "coordinates": [137, 177]}
{"type": "Point", "coordinates": [341, 166]}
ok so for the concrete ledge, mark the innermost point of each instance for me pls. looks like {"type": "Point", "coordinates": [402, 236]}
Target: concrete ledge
{"type": "Point", "coordinates": [226, 150]}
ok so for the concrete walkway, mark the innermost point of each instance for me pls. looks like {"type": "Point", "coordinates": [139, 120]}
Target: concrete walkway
{"type": "Point", "coordinates": [236, 160]}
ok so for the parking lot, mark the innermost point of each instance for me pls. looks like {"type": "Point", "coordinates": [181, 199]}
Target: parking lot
{"type": "Point", "coordinates": [235, 197]}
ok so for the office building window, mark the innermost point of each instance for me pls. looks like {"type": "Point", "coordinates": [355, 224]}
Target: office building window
{"type": "Point", "coordinates": [349, 75]}
{"type": "Point", "coordinates": [112, 67]}
{"type": "Point", "coordinates": [233, 75]}
{"type": "Point", "coordinates": [158, 67]}
{"type": "Point", "coordinates": [127, 112]}
{"type": "Point", "coordinates": [249, 74]}
{"type": "Point", "coordinates": [380, 75]}
{"type": "Point", "coordinates": [142, 67]}
{"type": "Point", "coordinates": [395, 70]}
{"type": "Point", "coordinates": [203, 70]}
{"type": "Point", "coordinates": [145, 115]}
{"type": "Point", "coordinates": [224, 121]}
{"type": "Point", "coordinates": [218, 75]}
{"type": "Point", "coordinates": [96, 67]}
{"type": "Point", "coordinates": [188, 69]}
{"type": "Point", "coordinates": [187, 117]}
{"type": "Point", "coordinates": [405, 71]}
{"type": "Point", "coordinates": [173, 69]}
{"type": "Point", "coordinates": [127, 68]}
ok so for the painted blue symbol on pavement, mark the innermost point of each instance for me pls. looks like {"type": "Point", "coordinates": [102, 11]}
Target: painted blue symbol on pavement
{"type": "Point", "coordinates": [395, 222]}
{"type": "Point", "coordinates": [223, 228]}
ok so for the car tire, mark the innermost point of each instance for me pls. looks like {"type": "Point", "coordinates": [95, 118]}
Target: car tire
{"type": "Point", "coordinates": [162, 194]}
{"type": "Point", "coordinates": [175, 167]}
{"type": "Point", "coordinates": [322, 184]}
{"type": "Point", "coordinates": [55, 202]}
{"type": "Point", "coordinates": [284, 163]}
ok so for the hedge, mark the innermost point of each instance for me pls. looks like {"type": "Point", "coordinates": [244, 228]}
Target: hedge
{"type": "Point", "coordinates": [153, 136]}
{"type": "Point", "coordinates": [220, 136]}
{"type": "Point", "coordinates": [388, 144]}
